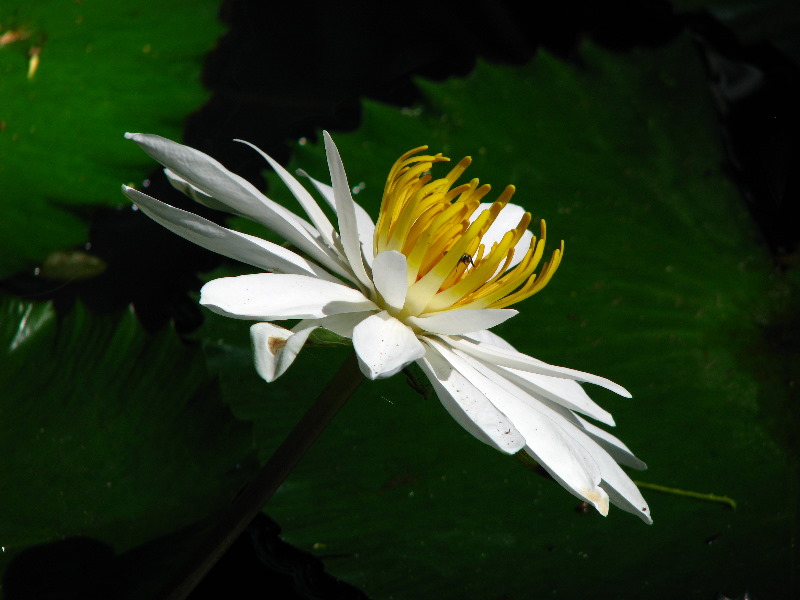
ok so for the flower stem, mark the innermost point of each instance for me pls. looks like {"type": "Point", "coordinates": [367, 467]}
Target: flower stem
{"type": "Point", "coordinates": [269, 478]}
{"type": "Point", "coordinates": [688, 493]}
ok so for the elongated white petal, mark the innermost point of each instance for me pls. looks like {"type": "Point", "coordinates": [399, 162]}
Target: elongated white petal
{"type": "Point", "coordinates": [507, 220]}
{"type": "Point", "coordinates": [516, 360]}
{"type": "Point", "coordinates": [238, 246]}
{"type": "Point", "coordinates": [346, 212]}
{"type": "Point", "coordinates": [607, 451]}
{"type": "Point", "coordinates": [209, 176]}
{"type": "Point", "coordinates": [624, 494]}
{"type": "Point", "coordinates": [547, 439]}
{"type": "Point", "coordinates": [488, 337]}
{"type": "Point", "coordinates": [566, 392]}
{"type": "Point", "coordinates": [273, 297]}
{"type": "Point", "coordinates": [469, 407]}
{"type": "Point", "coordinates": [324, 189]}
{"type": "Point", "coordinates": [275, 348]}
{"type": "Point", "coordinates": [615, 485]}
{"type": "Point", "coordinates": [366, 226]}
{"type": "Point", "coordinates": [344, 323]}
{"type": "Point", "coordinates": [389, 271]}
{"type": "Point", "coordinates": [384, 345]}
{"type": "Point", "coordinates": [199, 196]}
{"type": "Point", "coordinates": [621, 490]}
{"type": "Point", "coordinates": [610, 444]}
{"type": "Point", "coordinates": [310, 206]}
{"type": "Point", "coordinates": [463, 321]}
{"type": "Point", "coordinates": [618, 450]}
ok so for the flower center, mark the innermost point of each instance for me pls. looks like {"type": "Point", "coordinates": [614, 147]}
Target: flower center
{"type": "Point", "coordinates": [439, 229]}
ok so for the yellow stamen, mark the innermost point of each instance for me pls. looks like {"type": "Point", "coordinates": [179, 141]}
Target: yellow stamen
{"type": "Point", "coordinates": [433, 224]}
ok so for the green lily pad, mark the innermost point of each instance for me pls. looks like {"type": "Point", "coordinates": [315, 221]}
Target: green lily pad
{"type": "Point", "coordinates": [103, 68]}
{"type": "Point", "coordinates": [109, 434]}
{"type": "Point", "coordinates": [665, 287]}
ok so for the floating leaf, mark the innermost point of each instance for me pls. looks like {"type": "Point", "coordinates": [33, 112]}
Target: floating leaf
{"type": "Point", "coordinates": [102, 68]}
{"type": "Point", "coordinates": [109, 434]}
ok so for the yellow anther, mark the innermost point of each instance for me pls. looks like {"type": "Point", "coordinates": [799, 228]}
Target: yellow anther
{"type": "Point", "coordinates": [432, 223]}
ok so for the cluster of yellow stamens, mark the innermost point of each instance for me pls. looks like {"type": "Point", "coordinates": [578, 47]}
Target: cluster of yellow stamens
{"type": "Point", "coordinates": [430, 222]}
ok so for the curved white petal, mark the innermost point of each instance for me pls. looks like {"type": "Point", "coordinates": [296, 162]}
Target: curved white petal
{"type": "Point", "coordinates": [507, 220]}
{"type": "Point", "coordinates": [345, 211]}
{"type": "Point", "coordinates": [275, 348]}
{"type": "Point", "coordinates": [366, 226]}
{"type": "Point", "coordinates": [615, 485]}
{"type": "Point", "coordinates": [310, 206]}
{"type": "Point", "coordinates": [463, 321]}
{"type": "Point", "coordinates": [618, 450]}
{"type": "Point", "coordinates": [621, 490]}
{"type": "Point", "coordinates": [195, 194]}
{"type": "Point", "coordinates": [516, 360]}
{"type": "Point", "coordinates": [343, 324]}
{"type": "Point", "coordinates": [210, 177]}
{"type": "Point", "coordinates": [384, 345]}
{"type": "Point", "coordinates": [238, 246]}
{"type": "Point", "coordinates": [389, 273]}
{"type": "Point", "coordinates": [566, 392]}
{"type": "Point", "coordinates": [547, 437]}
{"type": "Point", "coordinates": [272, 297]}
{"type": "Point", "coordinates": [624, 494]}
{"type": "Point", "coordinates": [488, 337]}
{"type": "Point", "coordinates": [469, 407]}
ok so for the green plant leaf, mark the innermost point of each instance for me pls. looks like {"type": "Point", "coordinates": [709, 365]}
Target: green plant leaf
{"type": "Point", "coordinates": [103, 68]}
{"type": "Point", "coordinates": [665, 287]}
{"type": "Point", "coordinates": [108, 433]}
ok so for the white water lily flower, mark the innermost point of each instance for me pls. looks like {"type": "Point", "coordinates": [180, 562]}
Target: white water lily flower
{"type": "Point", "coordinates": [424, 284]}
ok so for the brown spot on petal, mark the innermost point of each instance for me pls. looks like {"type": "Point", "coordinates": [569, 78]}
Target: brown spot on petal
{"type": "Point", "coordinates": [598, 499]}
{"type": "Point", "coordinates": [274, 344]}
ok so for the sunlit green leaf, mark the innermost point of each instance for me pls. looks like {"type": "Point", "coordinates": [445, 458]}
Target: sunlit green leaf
{"type": "Point", "coordinates": [103, 68]}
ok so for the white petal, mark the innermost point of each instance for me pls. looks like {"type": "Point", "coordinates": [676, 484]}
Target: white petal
{"type": "Point", "coordinates": [607, 451]}
{"type": "Point", "coordinates": [209, 176]}
{"type": "Point", "coordinates": [324, 189]}
{"type": "Point", "coordinates": [463, 321]}
{"type": "Point", "coordinates": [390, 275]}
{"type": "Point", "coordinates": [622, 492]}
{"type": "Point", "coordinates": [344, 323]}
{"type": "Point", "coordinates": [507, 220]}
{"type": "Point", "coordinates": [366, 226]}
{"type": "Point", "coordinates": [469, 407]}
{"type": "Point", "coordinates": [310, 206]}
{"type": "Point", "coordinates": [547, 437]}
{"type": "Point", "coordinates": [239, 246]}
{"type": "Point", "coordinates": [566, 392]}
{"type": "Point", "coordinates": [615, 486]}
{"type": "Point", "coordinates": [345, 211]}
{"type": "Point", "coordinates": [384, 345]}
{"type": "Point", "coordinates": [487, 337]}
{"type": "Point", "coordinates": [275, 348]}
{"type": "Point", "coordinates": [198, 196]}
{"type": "Point", "coordinates": [618, 451]}
{"type": "Point", "coordinates": [272, 297]}
{"type": "Point", "coordinates": [516, 360]}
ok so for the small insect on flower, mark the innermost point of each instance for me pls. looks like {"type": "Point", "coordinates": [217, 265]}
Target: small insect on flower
{"type": "Point", "coordinates": [466, 259]}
